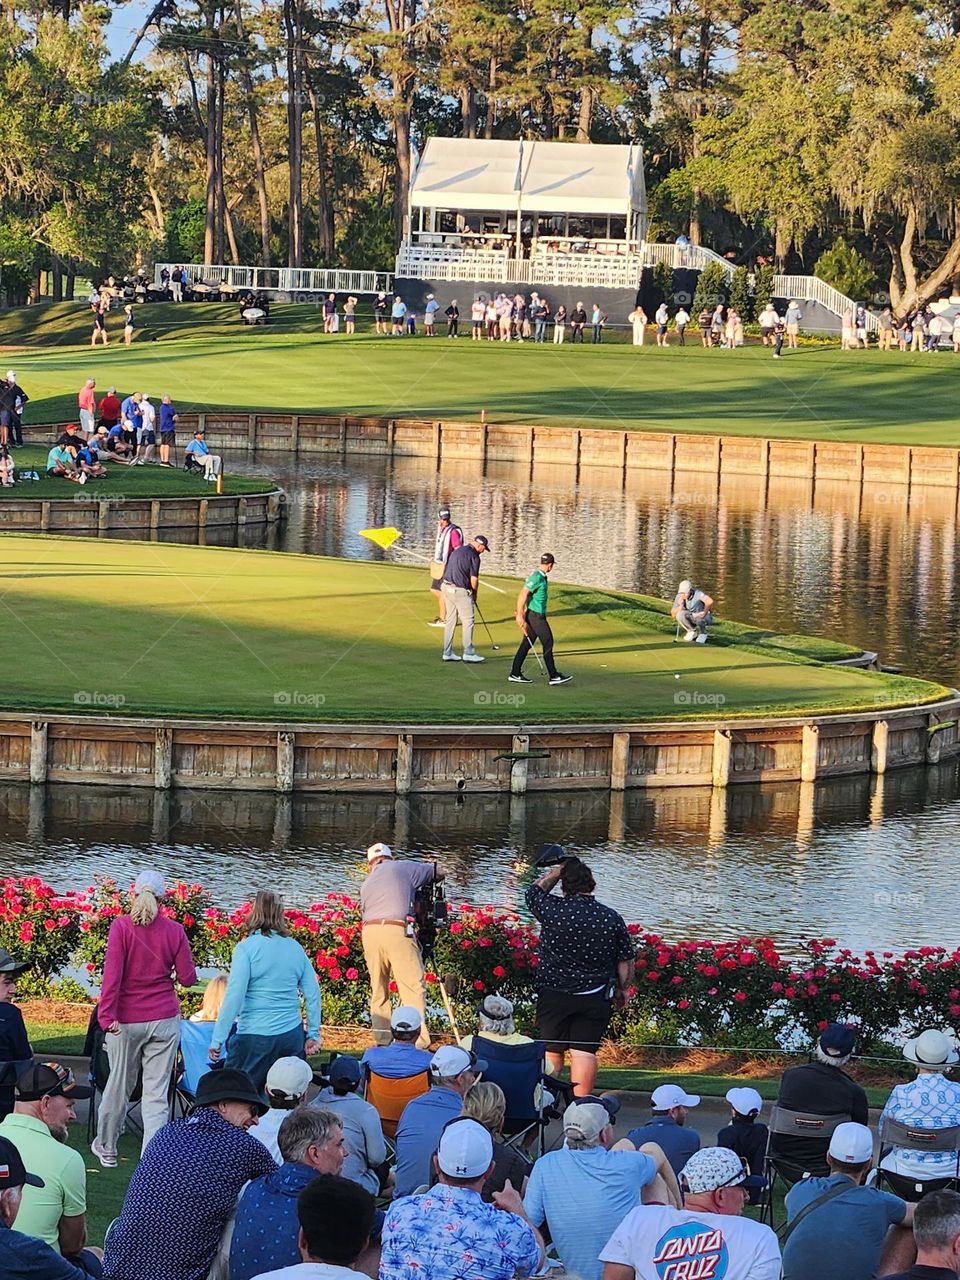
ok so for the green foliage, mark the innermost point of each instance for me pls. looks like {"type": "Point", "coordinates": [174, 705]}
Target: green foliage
{"type": "Point", "coordinates": [740, 299]}
{"type": "Point", "coordinates": [185, 231]}
{"type": "Point", "coordinates": [711, 288]}
{"type": "Point", "coordinates": [762, 287]}
{"type": "Point", "coordinates": [846, 269]}
{"type": "Point", "coordinates": [663, 283]}
{"type": "Point", "coordinates": [368, 237]}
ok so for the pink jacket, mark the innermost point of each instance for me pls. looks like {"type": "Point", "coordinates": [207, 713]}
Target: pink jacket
{"type": "Point", "coordinates": [138, 971]}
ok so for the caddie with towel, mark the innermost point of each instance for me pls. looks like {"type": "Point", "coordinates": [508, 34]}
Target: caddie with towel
{"type": "Point", "coordinates": [449, 537]}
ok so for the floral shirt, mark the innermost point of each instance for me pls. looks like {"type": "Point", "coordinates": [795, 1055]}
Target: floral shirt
{"type": "Point", "coordinates": [448, 1233]}
{"type": "Point", "coordinates": [931, 1101]}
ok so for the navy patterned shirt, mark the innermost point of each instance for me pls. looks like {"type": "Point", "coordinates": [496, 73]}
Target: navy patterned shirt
{"type": "Point", "coordinates": [180, 1198]}
{"type": "Point", "coordinates": [581, 941]}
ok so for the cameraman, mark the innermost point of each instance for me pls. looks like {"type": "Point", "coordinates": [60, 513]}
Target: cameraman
{"type": "Point", "coordinates": [586, 962]}
{"type": "Point", "coordinates": [389, 945]}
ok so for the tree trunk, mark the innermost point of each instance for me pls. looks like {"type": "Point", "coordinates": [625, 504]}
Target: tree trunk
{"type": "Point", "coordinates": [56, 279]}
{"type": "Point", "coordinates": [68, 293]}
{"type": "Point", "coordinates": [210, 150]}
{"type": "Point", "coordinates": [468, 111]}
{"type": "Point", "coordinates": [221, 191]}
{"type": "Point", "coordinates": [231, 235]}
{"type": "Point", "coordinates": [401, 185]}
{"type": "Point", "coordinates": [585, 114]}
{"type": "Point", "coordinates": [781, 247]}
{"type": "Point", "coordinates": [246, 83]}
{"type": "Point", "coordinates": [908, 293]}
{"type": "Point", "coordinates": [492, 69]}
{"type": "Point", "coordinates": [325, 211]}
{"type": "Point", "coordinates": [292, 25]}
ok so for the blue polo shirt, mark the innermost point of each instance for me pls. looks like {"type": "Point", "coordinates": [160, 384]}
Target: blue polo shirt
{"type": "Point", "coordinates": [462, 564]}
{"type": "Point", "coordinates": [26, 1258]}
{"type": "Point", "coordinates": [843, 1239]}
{"type": "Point", "coordinates": [199, 447]}
{"type": "Point", "coordinates": [398, 1060]}
{"type": "Point", "coordinates": [130, 409]}
{"type": "Point", "coordinates": [418, 1136]}
{"type": "Point", "coordinates": [677, 1142]}
{"type": "Point", "coordinates": [265, 1234]}
{"type": "Point", "coordinates": [167, 415]}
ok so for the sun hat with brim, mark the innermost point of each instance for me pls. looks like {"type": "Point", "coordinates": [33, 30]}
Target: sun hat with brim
{"type": "Point", "coordinates": [226, 1084]}
{"type": "Point", "coordinates": [711, 1168]}
{"type": "Point", "coordinates": [931, 1049]}
{"type": "Point", "coordinates": [10, 966]}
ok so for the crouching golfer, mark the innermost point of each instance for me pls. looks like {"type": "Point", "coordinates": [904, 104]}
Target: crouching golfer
{"type": "Point", "coordinates": [691, 609]}
{"type": "Point", "coordinates": [532, 621]}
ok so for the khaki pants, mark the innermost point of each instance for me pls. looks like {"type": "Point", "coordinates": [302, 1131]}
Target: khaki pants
{"type": "Point", "coordinates": [150, 1047]}
{"type": "Point", "coordinates": [390, 953]}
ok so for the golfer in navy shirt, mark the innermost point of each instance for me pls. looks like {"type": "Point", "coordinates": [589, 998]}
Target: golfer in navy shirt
{"type": "Point", "coordinates": [461, 579]}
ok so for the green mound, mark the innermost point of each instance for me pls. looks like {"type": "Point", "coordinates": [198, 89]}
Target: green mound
{"type": "Point", "coordinates": [122, 481]}
{"type": "Point", "coordinates": [210, 632]}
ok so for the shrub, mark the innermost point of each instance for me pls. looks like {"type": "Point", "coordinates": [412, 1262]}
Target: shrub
{"type": "Point", "coordinates": [762, 287]}
{"type": "Point", "coordinates": [740, 298]}
{"type": "Point", "coordinates": [711, 288]}
{"type": "Point", "coordinates": [846, 269]}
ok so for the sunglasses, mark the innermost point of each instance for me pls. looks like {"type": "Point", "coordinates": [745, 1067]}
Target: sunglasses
{"type": "Point", "coordinates": [738, 1179]}
{"type": "Point", "coordinates": [66, 1081]}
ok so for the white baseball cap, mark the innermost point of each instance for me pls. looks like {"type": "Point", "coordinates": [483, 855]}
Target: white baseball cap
{"type": "Point", "coordinates": [586, 1120]}
{"type": "Point", "coordinates": [151, 880]}
{"type": "Point", "coordinates": [684, 587]}
{"type": "Point", "coordinates": [744, 1101]}
{"type": "Point", "coordinates": [852, 1143]}
{"type": "Point", "coordinates": [406, 1018]}
{"type": "Point", "coordinates": [379, 850]}
{"type": "Point", "coordinates": [671, 1095]}
{"type": "Point", "coordinates": [11, 376]}
{"type": "Point", "coordinates": [289, 1077]}
{"type": "Point", "coordinates": [451, 1060]}
{"type": "Point", "coordinates": [465, 1150]}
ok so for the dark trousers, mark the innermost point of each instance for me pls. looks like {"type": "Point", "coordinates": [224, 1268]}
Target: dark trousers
{"type": "Point", "coordinates": [681, 331]}
{"type": "Point", "coordinates": [538, 627]}
{"type": "Point", "coordinates": [577, 332]}
{"type": "Point", "coordinates": [598, 333]}
{"type": "Point", "coordinates": [777, 343]}
{"type": "Point", "coordinates": [256, 1054]}
{"type": "Point", "coordinates": [452, 327]}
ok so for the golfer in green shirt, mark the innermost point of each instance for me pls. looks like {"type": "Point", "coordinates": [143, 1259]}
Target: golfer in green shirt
{"type": "Point", "coordinates": [532, 621]}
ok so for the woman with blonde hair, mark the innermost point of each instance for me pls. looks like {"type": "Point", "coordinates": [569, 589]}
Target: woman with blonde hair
{"type": "Point", "coordinates": [212, 1001]}
{"type": "Point", "coordinates": [269, 972]}
{"type": "Point", "coordinates": [140, 1012]}
{"type": "Point", "coordinates": [486, 1103]}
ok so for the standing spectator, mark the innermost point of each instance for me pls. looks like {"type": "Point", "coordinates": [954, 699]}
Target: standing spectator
{"type": "Point", "coordinates": [449, 1233]}
{"type": "Point", "coordinates": [716, 326]}
{"type": "Point", "coordinates": [140, 1012]}
{"type": "Point", "coordinates": [40, 1130]}
{"type": "Point", "coordinates": [168, 430]}
{"type": "Point", "coordinates": [109, 411]}
{"type": "Point", "coordinates": [363, 1144]}
{"type": "Point", "coordinates": [329, 311]}
{"type": "Point", "coordinates": [744, 1135]}
{"type": "Point", "coordinates": [586, 963]}
{"type": "Point", "coordinates": [401, 1057]}
{"type": "Point", "coordinates": [477, 314]}
{"type": "Point", "coordinates": [823, 1088]}
{"type": "Point", "coordinates": [380, 313]}
{"type": "Point", "coordinates": [100, 321]}
{"type": "Point", "coordinates": [197, 449]}
{"type": "Point", "coordinates": [560, 325]}
{"type": "Point", "coordinates": [931, 1101]}
{"type": "Point", "coordinates": [846, 329]}
{"type": "Point", "coordinates": [597, 319]}
{"type": "Point", "coordinates": [779, 333]}
{"type": "Point", "coordinates": [12, 400]}
{"type": "Point", "coordinates": [918, 340]}
{"type": "Point", "coordinates": [955, 335]}
{"type": "Point", "coordinates": [147, 435]}
{"type": "Point", "coordinates": [22, 1256]}
{"type": "Point", "coordinates": [885, 328]}
{"type": "Point", "coordinates": [731, 327]}
{"type": "Point", "coordinates": [336, 1217]}
{"type": "Point", "coordinates": [681, 320]}
{"type": "Point", "coordinates": [185, 1188]}
{"type": "Point", "coordinates": [491, 320]}
{"type": "Point", "coordinates": [453, 319]}
{"type": "Point", "coordinates": [904, 333]}
{"type": "Point", "coordinates": [520, 321]}
{"type": "Point", "coordinates": [793, 316]}
{"type": "Point", "coordinates": [638, 320]}
{"type": "Point", "coordinates": [860, 326]}
{"type": "Point", "coordinates": [128, 325]}
{"type": "Point", "coordinates": [87, 402]}
{"type": "Point", "coordinates": [540, 313]}
{"type": "Point", "coordinates": [266, 1228]}
{"type": "Point", "coordinates": [287, 1083]}
{"type": "Point", "coordinates": [350, 314]}
{"type": "Point", "coordinates": [176, 284]}
{"type": "Point", "coordinates": [386, 902]}
{"type": "Point", "coordinates": [935, 330]}
{"type": "Point", "coordinates": [708, 1236]}
{"type": "Point", "coordinates": [704, 320]}
{"type": "Point", "coordinates": [936, 1233]}
{"type": "Point", "coordinates": [429, 315]}
{"type": "Point", "coordinates": [398, 314]}
{"type": "Point", "coordinates": [504, 316]}
{"type": "Point", "coordinates": [453, 1070]}
{"type": "Point", "coordinates": [662, 319]}
{"type": "Point", "coordinates": [578, 318]}
{"type": "Point", "coordinates": [845, 1236]}
{"type": "Point", "coordinates": [131, 420]}
{"type": "Point", "coordinates": [269, 972]}
{"type": "Point", "coordinates": [666, 1126]}
{"type": "Point", "coordinates": [14, 1045]}
{"type": "Point", "coordinates": [768, 322]}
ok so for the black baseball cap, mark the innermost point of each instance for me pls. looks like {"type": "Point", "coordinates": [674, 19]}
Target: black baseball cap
{"type": "Point", "coordinates": [10, 966]}
{"type": "Point", "coordinates": [12, 1172]}
{"type": "Point", "coordinates": [483, 541]}
{"type": "Point", "coordinates": [609, 1102]}
{"type": "Point", "coordinates": [50, 1080]}
{"type": "Point", "coordinates": [444, 513]}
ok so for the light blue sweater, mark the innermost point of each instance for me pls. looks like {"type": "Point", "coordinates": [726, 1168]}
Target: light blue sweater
{"type": "Point", "coordinates": [267, 974]}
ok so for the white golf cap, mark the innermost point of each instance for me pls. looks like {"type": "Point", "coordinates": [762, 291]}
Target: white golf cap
{"type": "Point", "coordinates": [289, 1077]}
{"type": "Point", "coordinates": [151, 880]}
{"type": "Point", "coordinates": [379, 850]}
{"type": "Point", "coordinates": [451, 1060]}
{"type": "Point", "coordinates": [11, 376]}
{"type": "Point", "coordinates": [671, 1095]}
{"type": "Point", "coordinates": [852, 1143]}
{"type": "Point", "coordinates": [406, 1018]}
{"type": "Point", "coordinates": [684, 586]}
{"type": "Point", "coordinates": [586, 1120]}
{"type": "Point", "coordinates": [744, 1101]}
{"type": "Point", "coordinates": [465, 1150]}
{"type": "Point", "coordinates": [931, 1049]}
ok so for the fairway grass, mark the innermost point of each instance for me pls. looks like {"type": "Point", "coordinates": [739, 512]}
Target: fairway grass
{"type": "Point", "coordinates": [211, 632]}
{"type": "Point", "coordinates": [206, 359]}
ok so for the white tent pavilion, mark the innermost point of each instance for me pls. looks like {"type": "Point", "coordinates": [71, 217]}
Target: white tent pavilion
{"type": "Point", "coordinates": [535, 212]}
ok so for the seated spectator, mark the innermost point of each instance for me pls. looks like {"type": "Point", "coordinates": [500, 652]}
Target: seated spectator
{"type": "Point", "coordinates": [60, 462]}
{"type": "Point", "coordinates": [708, 1235]}
{"type": "Point", "coordinates": [198, 456]}
{"type": "Point", "coordinates": [847, 1235]}
{"type": "Point", "coordinates": [603, 1184]}
{"type": "Point", "coordinates": [212, 999]}
{"type": "Point", "coordinates": [335, 1216]}
{"type": "Point", "coordinates": [265, 1231]}
{"type": "Point", "coordinates": [486, 1103]}
{"type": "Point", "coordinates": [453, 1070]}
{"type": "Point", "coordinates": [184, 1190]}
{"type": "Point", "coordinates": [287, 1083]}
{"type": "Point", "coordinates": [495, 1022]}
{"type": "Point", "coordinates": [936, 1234]}
{"type": "Point", "coordinates": [23, 1257]}
{"type": "Point", "coordinates": [117, 444]}
{"type": "Point", "coordinates": [70, 437]}
{"type": "Point", "coordinates": [666, 1128]}
{"type": "Point", "coordinates": [448, 1233]}
{"type": "Point", "coordinates": [822, 1088]}
{"type": "Point", "coordinates": [401, 1057]}
{"type": "Point", "coordinates": [6, 467]}
{"type": "Point", "coordinates": [98, 443]}
{"type": "Point", "coordinates": [89, 463]}
{"type": "Point", "coordinates": [744, 1134]}
{"type": "Point", "coordinates": [40, 1129]}
{"type": "Point", "coordinates": [931, 1101]}
{"type": "Point", "coordinates": [362, 1130]}
{"type": "Point", "coordinates": [14, 1045]}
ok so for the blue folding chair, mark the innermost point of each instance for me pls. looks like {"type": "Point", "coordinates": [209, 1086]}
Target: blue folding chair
{"type": "Point", "coordinates": [195, 1040]}
{"type": "Point", "coordinates": [518, 1070]}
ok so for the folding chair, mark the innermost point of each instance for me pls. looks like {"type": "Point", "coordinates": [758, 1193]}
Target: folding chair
{"type": "Point", "coordinates": [895, 1136]}
{"type": "Point", "coordinates": [518, 1070]}
{"type": "Point", "coordinates": [389, 1096]}
{"type": "Point", "coordinates": [807, 1126]}
{"type": "Point", "coordinates": [95, 1048]}
{"type": "Point", "coordinates": [193, 1062]}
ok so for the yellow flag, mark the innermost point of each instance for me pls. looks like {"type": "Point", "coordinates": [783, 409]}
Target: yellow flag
{"type": "Point", "coordinates": [382, 537]}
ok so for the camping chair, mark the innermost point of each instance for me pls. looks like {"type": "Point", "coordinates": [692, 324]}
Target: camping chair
{"type": "Point", "coordinates": [190, 463]}
{"type": "Point", "coordinates": [95, 1048]}
{"type": "Point", "coordinates": [193, 1062]}
{"type": "Point", "coordinates": [789, 1170]}
{"type": "Point", "coordinates": [389, 1096]}
{"type": "Point", "coordinates": [895, 1136]}
{"type": "Point", "coordinates": [518, 1070]}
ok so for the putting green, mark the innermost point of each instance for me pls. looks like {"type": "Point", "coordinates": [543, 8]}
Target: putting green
{"type": "Point", "coordinates": [154, 628]}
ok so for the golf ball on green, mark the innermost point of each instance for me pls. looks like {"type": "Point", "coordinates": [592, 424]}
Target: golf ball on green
{"type": "Point", "coordinates": [676, 675]}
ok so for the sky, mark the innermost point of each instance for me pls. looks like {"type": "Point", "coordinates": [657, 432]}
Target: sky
{"type": "Point", "coordinates": [126, 20]}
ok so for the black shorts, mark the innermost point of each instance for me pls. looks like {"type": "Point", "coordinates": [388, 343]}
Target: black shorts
{"type": "Point", "coordinates": [166, 437]}
{"type": "Point", "coordinates": [566, 1021]}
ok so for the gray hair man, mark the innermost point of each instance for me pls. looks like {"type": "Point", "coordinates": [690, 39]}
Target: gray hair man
{"type": "Point", "coordinates": [822, 1088]}
{"type": "Point", "coordinates": [936, 1233]}
{"type": "Point", "coordinates": [453, 1071]}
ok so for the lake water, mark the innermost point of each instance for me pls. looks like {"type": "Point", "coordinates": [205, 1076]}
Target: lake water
{"type": "Point", "coordinates": [868, 861]}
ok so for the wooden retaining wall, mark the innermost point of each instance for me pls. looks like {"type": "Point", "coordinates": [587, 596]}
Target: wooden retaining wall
{"type": "Point", "coordinates": [286, 758]}
{"type": "Point", "coordinates": [137, 517]}
{"type": "Point", "coordinates": [623, 451]}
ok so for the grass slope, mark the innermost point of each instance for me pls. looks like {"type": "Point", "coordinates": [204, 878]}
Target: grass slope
{"type": "Point", "coordinates": [121, 482]}
{"type": "Point", "coordinates": [216, 632]}
{"type": "Point", "coordinates": [206, 359]}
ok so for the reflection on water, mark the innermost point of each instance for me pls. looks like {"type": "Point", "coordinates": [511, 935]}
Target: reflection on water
{"type": "Point", "coordinates": [858, 859]}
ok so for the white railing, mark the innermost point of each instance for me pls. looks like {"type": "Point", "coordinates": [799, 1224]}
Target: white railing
{"type": "Point", "coordinates": [694, 256]}
{"type": "Point", "coordinates": [289, 280]}
{"type": "Point", "coordinates": [557, 269]}
{"type": "Point", "coordinates": [813, 289]}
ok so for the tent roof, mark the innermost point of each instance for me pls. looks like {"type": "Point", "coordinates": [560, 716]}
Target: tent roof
{"type": "Point", "coordinates": [544, 177]}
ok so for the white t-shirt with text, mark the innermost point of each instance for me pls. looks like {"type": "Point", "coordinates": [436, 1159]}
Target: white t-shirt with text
{"type": "Point", "coordinates": [662, 1243]}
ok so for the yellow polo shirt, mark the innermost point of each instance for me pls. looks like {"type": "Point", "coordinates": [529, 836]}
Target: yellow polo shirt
{"type": "Point", "coordinates": [62, 1170]}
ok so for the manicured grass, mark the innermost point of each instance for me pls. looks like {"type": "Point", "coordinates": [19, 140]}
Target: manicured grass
{"type": "Point", "coordinates": [206, 359]}
{"type": "Point", "coordinates": [121, 482]}
{"type": "Point", "coordinates": [105, 1187]}
{"type": "Point", "coordinates": [202, 631]}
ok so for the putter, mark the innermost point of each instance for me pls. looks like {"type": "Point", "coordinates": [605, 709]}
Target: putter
{"type": "Point", "coordinates": [484, 621]}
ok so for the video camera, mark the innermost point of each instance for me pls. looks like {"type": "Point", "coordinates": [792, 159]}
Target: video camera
{"type": "Point", "coordinates": [552, 855]}
{"type": "Point", "coordinates": [430, 913]}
